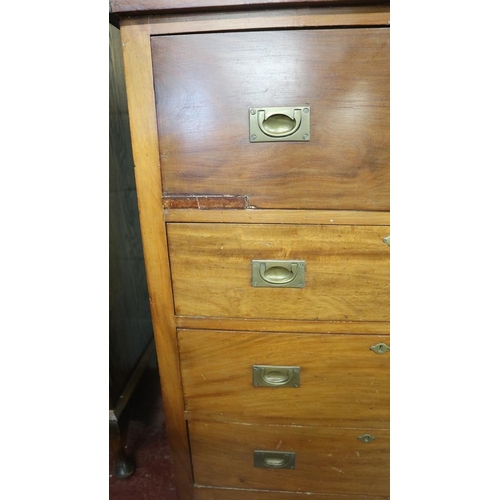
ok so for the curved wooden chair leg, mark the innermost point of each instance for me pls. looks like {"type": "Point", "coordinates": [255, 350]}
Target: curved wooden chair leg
{"type": "Point", "coordinates": [124, 466]}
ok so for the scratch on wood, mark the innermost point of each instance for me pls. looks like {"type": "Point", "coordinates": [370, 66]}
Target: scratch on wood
{"type": "Point", "coordinates": [205, 201]}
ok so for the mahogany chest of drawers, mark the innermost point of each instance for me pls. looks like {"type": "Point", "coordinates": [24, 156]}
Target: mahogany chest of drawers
{"type": "Point", "coordinates": [260, 132]}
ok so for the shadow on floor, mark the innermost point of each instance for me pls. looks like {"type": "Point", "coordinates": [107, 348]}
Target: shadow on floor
{"type": "Point", "coordinates": [148, 446]}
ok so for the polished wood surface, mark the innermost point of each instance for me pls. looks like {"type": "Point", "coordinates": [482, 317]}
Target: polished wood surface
{"type": "Point", "coordinates": [328, 460]}
{"type": "Point", "coordinates": [146, 6]}
{"type": "Point", "coordinates": [280, 217]}
{"type": "Point", "coordinates": [140, 93]}
{"type": "Point", "coordinates": [204, 92]}
{"type": "Point", "coordinates": [211, 493]}
{"type": "Point", "coordinates": [191, 71]}
{"type": "Point", "coordinates": [347, 271]}
{"type": "Point", "coordinates": [372, 15]}
{"type": "Point", "coordinates": [342, 382]}
{"type": "Point", "coordinates": [289, 325]}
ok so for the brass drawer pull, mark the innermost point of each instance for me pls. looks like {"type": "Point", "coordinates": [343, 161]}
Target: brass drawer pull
{"type": "Point", "coordinates": [275, 376]}
{"type": "Point", "coordinates": [280, 124]}
{"type": "Point", "coordinates": [274, 459]}
{"type": "Point", "coordinates": [278, 273]}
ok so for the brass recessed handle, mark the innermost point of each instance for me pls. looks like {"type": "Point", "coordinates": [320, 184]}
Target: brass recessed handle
{"type": "Point", "coordinates": [278, 273]}
{"type": "Point", "coordinates": [274, 459]}
{"type": "Point", "coordinates": [292, 123]}
{"type": "Point", "coordinates": [275, 376]}
{"type": "Point", "coordinates": [279, 124]}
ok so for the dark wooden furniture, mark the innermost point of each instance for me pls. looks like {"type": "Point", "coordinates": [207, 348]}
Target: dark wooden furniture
{"type": "Point", "coordinates": [260, 134]}
{"type": "Point", "coordinates": [131, 345]}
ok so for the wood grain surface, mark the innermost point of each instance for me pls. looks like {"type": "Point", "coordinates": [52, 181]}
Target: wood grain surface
{"type": "Point", "coordinates": [211, 493]}
{"type": "Point", "coordinates": [203, 96]}
{"type": "Point", "coordinates": [192, 74]}
{"type": "Point", "coordinates": [356, 15]}
{"type": "Point", "coordinates": [342, 381]}
{"type": "Point", "coordinates": [140, 94]}
{"type": "Point", "coordinates": [329, 217]}
{"type": "Point", "coordinates": [247, 324]}
{"type": "Point", "coordinates": [328, 460]}
{"type": "Point", "coordinates": [154, 6]}
{"type": "Point", "coordinates": [347, 271]}
{"type": "Point", "coordinates": [204, 202]}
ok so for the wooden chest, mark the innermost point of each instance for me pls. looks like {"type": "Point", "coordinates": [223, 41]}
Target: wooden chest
{"type": "Point", "coordinates": [261, 145]}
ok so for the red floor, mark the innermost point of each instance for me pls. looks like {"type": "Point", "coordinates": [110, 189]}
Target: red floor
{"type": "Point", "coordinates": [147, 444]}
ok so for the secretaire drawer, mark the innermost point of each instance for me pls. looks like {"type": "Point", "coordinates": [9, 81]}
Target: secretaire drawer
{"type": "Point", "coordinates": [207, 85]}
{"type": "Point", "coordinates": [314, 379]}
{"type": "Point", "coordinates": [287, 458]}
{"type": "Point", "coordinates": [280, 271]}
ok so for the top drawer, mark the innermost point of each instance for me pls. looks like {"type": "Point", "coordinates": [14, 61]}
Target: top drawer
{"type": "Point", "coordinates": [205, 85]}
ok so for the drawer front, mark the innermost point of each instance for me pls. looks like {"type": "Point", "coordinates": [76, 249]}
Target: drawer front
{"type": "Point", "coordinates": [346, 271]}
{"type": "Point", "coordinates": [327, 460]}
{"type": "Point", "coordinates": [201, 493]}
{"type": "Point", "coordinates": [204, 94]}
{"type": "Point", "coordinates": [246, 377]}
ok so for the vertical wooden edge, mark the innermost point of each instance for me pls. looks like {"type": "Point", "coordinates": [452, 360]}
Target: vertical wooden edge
{"type": "Point", "coordinates": [136, 48]}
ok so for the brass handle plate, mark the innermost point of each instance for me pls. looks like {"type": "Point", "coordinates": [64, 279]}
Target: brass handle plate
{"type": "Point", "coordinates": [278, 273]}
{"type": "Point", "coordinates": [275, 376]}
{"type": "Point", "coordinates": [280, 124]}
{"type": "Point", "coordinates": [274, 459]}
